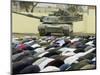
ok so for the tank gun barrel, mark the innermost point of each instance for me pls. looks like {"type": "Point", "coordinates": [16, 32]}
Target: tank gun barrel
{"type": "Point", "coordinates": [54, 19]}
{"type": "Point", "coordinates": [28, 15]}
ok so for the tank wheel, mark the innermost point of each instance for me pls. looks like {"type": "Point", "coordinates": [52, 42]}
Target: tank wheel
{"type": "Point", "coordinates": [42, 32]}
{"type": "Point", "coordinates": [66, 32]}
{"type": "Point", "coordinates": [48, 33]}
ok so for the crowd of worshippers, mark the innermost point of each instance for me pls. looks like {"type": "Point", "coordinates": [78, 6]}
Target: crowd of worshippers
{"type": "Point", "coordinates": [53, 54]}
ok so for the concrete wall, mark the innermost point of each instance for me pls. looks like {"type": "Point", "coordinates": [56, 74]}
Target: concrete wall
{"type": "Point", "coordinates": [23, 24]}
{"type": "Point", "coordinates": [88, 23]}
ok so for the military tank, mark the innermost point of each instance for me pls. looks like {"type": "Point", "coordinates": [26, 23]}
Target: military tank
{"type": "Point", "coordinates": [58, 22]}
{"type": "Point", "coordinates": [55, 24]}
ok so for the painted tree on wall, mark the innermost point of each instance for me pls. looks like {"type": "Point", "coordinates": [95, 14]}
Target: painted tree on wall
{"type": "Point", "coordinates": [28, 6]}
